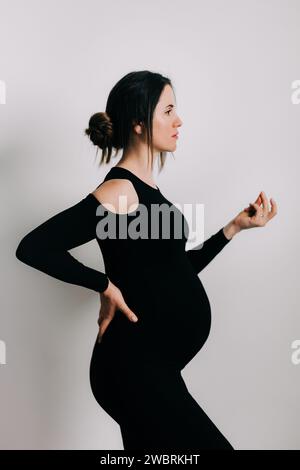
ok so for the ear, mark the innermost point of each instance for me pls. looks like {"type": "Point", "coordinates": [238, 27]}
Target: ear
{"type": "Point", "coordinates": [138, 127]}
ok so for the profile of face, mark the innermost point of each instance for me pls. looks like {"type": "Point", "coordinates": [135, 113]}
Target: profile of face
{"type": "Point", "coordinates": [165, 122]}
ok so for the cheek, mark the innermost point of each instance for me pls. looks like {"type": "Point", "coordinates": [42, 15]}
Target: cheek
{"type": "Point", "coordinates": [161, 128]}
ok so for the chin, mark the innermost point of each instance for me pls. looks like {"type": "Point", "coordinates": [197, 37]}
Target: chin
{"type": "Point", "coordinates": [167, 149]}
{"type": "Point", "coordinates": [171, 148]}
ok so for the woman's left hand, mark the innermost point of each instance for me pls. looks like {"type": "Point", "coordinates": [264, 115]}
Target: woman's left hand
{"type": "Point", "coordinates": [256, 214]}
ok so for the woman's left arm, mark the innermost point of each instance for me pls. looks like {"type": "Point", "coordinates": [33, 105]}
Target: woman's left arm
{"type": "Point", "coordinates": [252, 216]}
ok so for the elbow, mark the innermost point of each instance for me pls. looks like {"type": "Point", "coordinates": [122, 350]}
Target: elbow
{"type": "Point", "coordinates": [25, 251]}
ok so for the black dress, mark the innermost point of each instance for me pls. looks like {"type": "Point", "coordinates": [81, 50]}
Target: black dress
{"type": "Point", "coordinates": [135, 371]}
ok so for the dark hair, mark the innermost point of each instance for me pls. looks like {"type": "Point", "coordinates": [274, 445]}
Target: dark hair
{"type": "Point", "coordinates": [131, 101]}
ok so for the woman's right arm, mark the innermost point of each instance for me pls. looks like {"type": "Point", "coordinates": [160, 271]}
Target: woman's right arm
{"type": "Point", "coordinates": [46, 247]}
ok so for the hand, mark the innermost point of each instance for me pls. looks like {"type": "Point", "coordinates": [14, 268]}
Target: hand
{"type": "Point", "coordinates": [112, 300]}
{"type": "Point", "coordinates": [254, 215]}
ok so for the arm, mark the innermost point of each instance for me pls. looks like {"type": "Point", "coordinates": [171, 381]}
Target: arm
{"type": "Point", "coordinates": [201, 257]}
{"type": "Point", "coordinates": [46, 247]}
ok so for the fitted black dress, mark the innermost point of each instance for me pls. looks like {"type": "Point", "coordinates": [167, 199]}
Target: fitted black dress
{"type": "Point", "coordinates": [135, 371]}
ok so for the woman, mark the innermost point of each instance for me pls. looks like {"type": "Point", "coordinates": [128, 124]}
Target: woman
{"type": "Point", "coordinates": [155, 315]}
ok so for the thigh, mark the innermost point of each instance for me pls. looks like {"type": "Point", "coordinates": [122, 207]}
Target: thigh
{"type": "Point", "coordinates": [151, 403]}
{"type": "Point", "coordinates": [162, 415]}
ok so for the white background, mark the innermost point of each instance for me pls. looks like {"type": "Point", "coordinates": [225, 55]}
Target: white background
{"type": "Point", "coordinates": [232, 64]}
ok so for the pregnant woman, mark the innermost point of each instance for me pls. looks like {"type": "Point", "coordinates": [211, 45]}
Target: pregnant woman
{"type": "Point", "coordinates": [155, 315]}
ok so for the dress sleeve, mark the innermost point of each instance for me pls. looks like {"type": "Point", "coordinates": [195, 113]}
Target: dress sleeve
{"type": "Point", "coordinates": [201, 257]}
{"type": "Point", "coordinates": [46, 247]}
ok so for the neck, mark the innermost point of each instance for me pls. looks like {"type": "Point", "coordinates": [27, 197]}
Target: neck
{"type": "Point", "coordinates": [138, 164]}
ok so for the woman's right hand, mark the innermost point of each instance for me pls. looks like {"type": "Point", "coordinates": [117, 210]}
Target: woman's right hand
{"type": "Point", "coordinates": [112, 300]}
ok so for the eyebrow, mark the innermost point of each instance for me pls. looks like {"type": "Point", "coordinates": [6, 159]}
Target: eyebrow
{"type": "Point", "coordinates": [170, 105]}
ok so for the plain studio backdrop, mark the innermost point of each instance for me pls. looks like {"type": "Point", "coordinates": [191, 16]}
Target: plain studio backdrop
{"type": "Point", "coordinates": [233, 65]}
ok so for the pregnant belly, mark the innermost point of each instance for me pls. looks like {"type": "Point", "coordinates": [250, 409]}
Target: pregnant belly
{"type": "Point", "coordinates": [183, 315]}
{"type": "Point", "coordinates": [174, 318]}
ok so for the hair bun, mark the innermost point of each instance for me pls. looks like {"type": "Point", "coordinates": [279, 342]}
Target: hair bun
{"type": "Point", "coordinates": [100, 129]}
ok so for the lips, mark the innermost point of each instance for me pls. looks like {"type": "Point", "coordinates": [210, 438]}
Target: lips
{"type": "Point", "coordinates": [175, 135]}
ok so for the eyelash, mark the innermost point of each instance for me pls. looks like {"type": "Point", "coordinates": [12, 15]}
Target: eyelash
{"type": "Point", "coordinates": [168, 112]}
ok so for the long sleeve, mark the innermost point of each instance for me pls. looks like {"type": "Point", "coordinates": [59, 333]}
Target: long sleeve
{"type": "Point", "coordinates": [46, 247]}
{"type": "Point", "coordinates": [201, 257]}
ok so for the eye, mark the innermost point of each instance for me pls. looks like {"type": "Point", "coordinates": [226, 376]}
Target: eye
{"type": "Point", "coordinates": [168, 112]}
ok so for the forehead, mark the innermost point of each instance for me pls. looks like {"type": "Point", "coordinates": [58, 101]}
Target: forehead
{"type": "Point", "coordinates": [167, 96]}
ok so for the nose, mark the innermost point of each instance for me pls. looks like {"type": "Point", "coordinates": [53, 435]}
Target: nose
{"type": "Point", "coordinates": [178, 122]}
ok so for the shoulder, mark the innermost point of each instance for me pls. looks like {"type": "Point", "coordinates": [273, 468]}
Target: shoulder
{"type": "Point", "coordinates": [117, 195]}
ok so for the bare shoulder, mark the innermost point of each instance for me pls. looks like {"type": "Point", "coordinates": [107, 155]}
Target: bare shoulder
{"type": "Point", "coordinates": [117, 195]}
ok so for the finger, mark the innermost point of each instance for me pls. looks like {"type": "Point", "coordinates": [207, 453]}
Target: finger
{"type": "Point", "coordinates": [103, 325]}
{"type": "Point", "coordinates": [255, 205]}
{"type": "Point", "coordinates": [265, 203]}
{"type": "Point", "coordinates": [106, 312]}
{"type": "Point", "coordinates": [129, 313]}
{"type": "Point", "coordinates": [273, 211]}
{"type": "Point", "coordinates": [258, 200]}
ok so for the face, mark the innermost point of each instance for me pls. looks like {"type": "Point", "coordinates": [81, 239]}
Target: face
{"type": "Point", "coordinates": [166, 122]}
